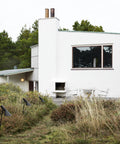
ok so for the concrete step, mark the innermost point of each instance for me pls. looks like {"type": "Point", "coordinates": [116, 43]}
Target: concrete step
{"type": "Point", "coordinates": [59, 101]}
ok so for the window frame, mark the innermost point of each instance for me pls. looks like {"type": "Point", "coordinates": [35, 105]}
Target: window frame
{"type": "Point", "coordinates": [102, 57]}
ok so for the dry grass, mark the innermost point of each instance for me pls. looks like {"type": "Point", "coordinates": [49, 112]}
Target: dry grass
{"type": "Point", "coordinates": [97, 116]}
{"type": "Point", "coordinates": [96, 121]}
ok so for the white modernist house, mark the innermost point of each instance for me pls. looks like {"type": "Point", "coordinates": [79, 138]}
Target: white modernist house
{"type": "Point", "coordinates": [70, 63]}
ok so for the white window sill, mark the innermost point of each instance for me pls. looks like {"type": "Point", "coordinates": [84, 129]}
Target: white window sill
{"type": "Point", "coordinates": [59, 91]}
{"type": "Point", "coordinates": [92, 69]}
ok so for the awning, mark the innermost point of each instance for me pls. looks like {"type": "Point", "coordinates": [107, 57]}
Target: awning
{"type": "Point", "coordinates": [15, 71]}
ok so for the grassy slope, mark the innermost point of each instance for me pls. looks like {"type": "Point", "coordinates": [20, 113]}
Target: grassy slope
{"type": "Point", "coordinates": [43, 133]}
{"type": "Point", "coordinates": [36, 134]}
{"type": "Point", "coordinates": [99, 125]}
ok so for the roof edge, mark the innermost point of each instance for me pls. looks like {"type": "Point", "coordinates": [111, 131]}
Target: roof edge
{"type": "Point", "coordinates": [89, 32]}
{"type": "Point", "coordinates": [49, 18]}
{"type": "Point", "coordinates": [33, 46]}
{"type": "Point", "coordinates": [15, 71]}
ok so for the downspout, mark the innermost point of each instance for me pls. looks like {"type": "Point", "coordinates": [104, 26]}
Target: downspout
{"type": "Point", "coordinates": [34, 85]}
{"type": "Point", "coordinates": [7, 79]}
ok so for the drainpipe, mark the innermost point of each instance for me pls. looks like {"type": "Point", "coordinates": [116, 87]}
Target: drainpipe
{"type": "Point", "coordinates": [7, 79]}
{"type": "Point", "coordinates": [34, 86]}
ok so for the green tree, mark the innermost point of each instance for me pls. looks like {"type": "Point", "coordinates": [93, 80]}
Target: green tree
{"type": "Point", "coordinates": [34, 33]}
{"type": "Point", "coordinates": [27, 38]}
{"type": "Point", "coordinates": [35, 26]}
{"type": "Point", "coordinates": [85, 25]}
{"type": "Point", "coordinates": [8, 57]}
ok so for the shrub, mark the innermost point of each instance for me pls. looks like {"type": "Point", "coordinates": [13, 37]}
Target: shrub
{"type": "Point", "coordinates": [109, 104]}
{"type": "Point", "coordinates": [11, 97]}
{"type": "Point", "coordinates": [5, 88]}
{"type": "Point", "coordinates": [64, 113]}
{"type": "Point", "coordinates": [10, 93]}
{"type": "Point", "coordinates": [96, 116]}
{"type": "Point", "coordinates": [33, 98]}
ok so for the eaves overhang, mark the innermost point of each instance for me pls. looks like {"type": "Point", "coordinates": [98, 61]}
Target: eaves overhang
{"type": "Point", "coordinates": [15, 71]}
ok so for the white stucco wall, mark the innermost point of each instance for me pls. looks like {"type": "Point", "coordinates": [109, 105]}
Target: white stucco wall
{"type": "Point", "coordinates": [16, 80]}
{"type": "Point", "coordinates": [48, 31]}
{"type": "Point", "coordinates": [2, 79]}
{"type": "Point", "coordinates": [83, 79]}
{"type": "Point", "coordinates": [34, 63]}
{"type": "Point", "coordinates": [55, 60]}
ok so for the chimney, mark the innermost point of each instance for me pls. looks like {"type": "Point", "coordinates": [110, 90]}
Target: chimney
{"type": "Point", "coordinates": [46, 13]}
{"type": "Point", "coordinates": [52, 12]}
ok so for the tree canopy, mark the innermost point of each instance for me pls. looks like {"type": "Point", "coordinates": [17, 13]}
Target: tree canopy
{"type": "Point", "coordinates": [26, 39]}
{"type": "Point", "coordinates": [7, 52]}
{"type": "Point", "coordinates": [18, 54]}
{"type": "Point", "coordinates": [85, 25]}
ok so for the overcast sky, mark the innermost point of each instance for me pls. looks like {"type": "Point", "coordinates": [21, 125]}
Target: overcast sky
{"type": "Point", "coordinates": [14, 14]}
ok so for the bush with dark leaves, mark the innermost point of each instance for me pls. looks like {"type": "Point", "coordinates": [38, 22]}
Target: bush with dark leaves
{"type": "Point", "coordinates": [64, 113]}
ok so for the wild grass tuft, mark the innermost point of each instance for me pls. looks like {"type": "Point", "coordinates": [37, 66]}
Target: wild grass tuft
{"type": "Point", "coordinates": [94, 118]}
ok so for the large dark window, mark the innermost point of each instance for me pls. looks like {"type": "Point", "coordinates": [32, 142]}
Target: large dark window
{"type": "Point", "coordinates": [92, 56]}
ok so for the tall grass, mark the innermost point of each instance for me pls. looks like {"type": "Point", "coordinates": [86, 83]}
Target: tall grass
{"type": "Point", "coordinates": [83, 121]}
{"type": "Point", "coordinates": [94, 118]}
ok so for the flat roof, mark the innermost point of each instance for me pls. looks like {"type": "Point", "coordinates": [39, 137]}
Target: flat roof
{"type": "Point", "coordinates": [89, 32]}
{"type": "Point", "coordinates": [115, 33]}
{"type": "Point", "coordinates": [15, 71]}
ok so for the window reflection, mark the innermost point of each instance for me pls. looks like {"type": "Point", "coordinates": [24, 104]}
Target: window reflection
{"type": "Point", "coordinates": [107, 56]}
{"type": "Point", "coordinates": [87, 57]}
